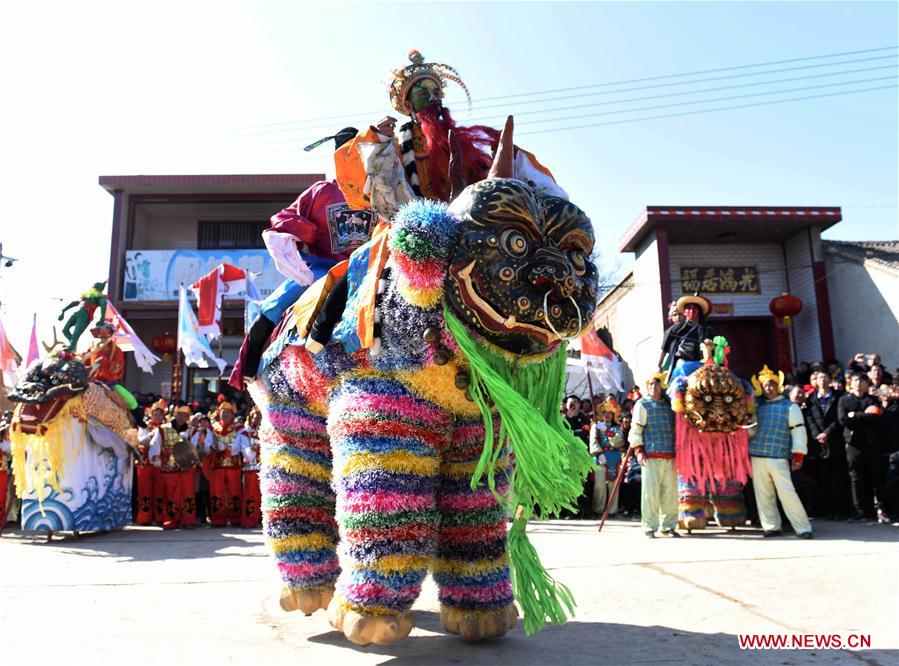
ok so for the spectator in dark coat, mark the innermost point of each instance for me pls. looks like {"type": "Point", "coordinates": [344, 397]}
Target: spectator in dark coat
{"type": "Point", "coordinates": [860, 415]}
{"type": "Point", "coordinates": [826, 435]}
{"type": "Point", "coordinates": [889, 403]}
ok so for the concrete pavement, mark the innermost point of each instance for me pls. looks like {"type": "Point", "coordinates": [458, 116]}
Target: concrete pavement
{"type": "Point", "coordinates": [144, 596]}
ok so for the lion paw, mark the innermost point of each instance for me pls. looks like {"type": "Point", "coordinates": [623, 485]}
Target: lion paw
{"type": "Point", "coordinates": [480, 625]}
{"type": "Point", "coordinates": [365, 629]}
{"type": "Point", "coordinates": [306, 600]}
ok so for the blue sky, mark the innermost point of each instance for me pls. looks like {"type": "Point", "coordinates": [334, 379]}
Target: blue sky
{"type": "Point", "coordinates": [197, 87]}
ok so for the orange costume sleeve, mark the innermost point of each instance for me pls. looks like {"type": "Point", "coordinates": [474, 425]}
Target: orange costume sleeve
{"type": "Point", "coordinates": [351, 176]}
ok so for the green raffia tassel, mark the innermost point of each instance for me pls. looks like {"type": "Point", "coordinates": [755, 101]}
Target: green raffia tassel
{"type": "Point", "coordinates": [720, 352]}
{"type": "Point", "coordinates": [550, 462]}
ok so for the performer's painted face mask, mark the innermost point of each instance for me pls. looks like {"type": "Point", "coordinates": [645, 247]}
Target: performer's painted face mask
{"type": "Point", "coordinates": [521, 273]}
{"type": "Point", "coordinates": [424, 93]}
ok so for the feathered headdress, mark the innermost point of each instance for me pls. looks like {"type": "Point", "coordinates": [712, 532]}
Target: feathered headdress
{"type": "Point", "coordinates": [766, 374]}
{"type": "Point", "coordinates": [405, 78]}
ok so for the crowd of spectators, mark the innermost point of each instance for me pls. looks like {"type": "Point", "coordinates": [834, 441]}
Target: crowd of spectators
{"type": "Point", "coordinates": [851, 471]}
{"type": "Point", "coordinates": [197, 407]}
{"type": "Point", "coordinates": [852, 419]}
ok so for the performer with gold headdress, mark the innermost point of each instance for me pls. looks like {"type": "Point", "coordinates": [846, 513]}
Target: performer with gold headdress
{"type": "Point", "coordinates": [150, 503]}
{"type": "Point", "coordinates": [606, 443]}
{"type": "Point", "coordinates": [223, 466]}
{"type": "Point", "coordinates": [777, 445]}
{"type": "Point", "coordinates": [652, 438]}
{"type": "Point", "coordinates": [385, 171]}
{"type": "Point", "coordinates": [170, 453]}
{"type": "Point", "coordinates": [251, 503]}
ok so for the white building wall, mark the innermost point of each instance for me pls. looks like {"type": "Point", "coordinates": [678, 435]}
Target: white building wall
{"type": "Point", "coordinates": [806, 330]}
{"type": "Point", "coordinates": [633, 315]}
{"type": "Point", "coordinates": [768, 258]}
{"type": "Point", "coordinates": [864, 306]}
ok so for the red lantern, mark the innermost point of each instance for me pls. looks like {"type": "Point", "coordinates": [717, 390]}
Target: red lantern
{"type": "Point", "coordinates": [785, 307]}
{"type": "Point", "coordinates": [165, 344]}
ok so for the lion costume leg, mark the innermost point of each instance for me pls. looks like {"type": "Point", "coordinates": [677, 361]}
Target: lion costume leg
{"type": "Point", "coordinates": [387, 445]}
{"type": "Point", "coordinates": [693, 505]}
{"type": "Point", "coordinates": [295, 478]}
{"type": "Point", "coordinates": [472, 567]}
{"type": "Point", "coordinates": [727, 500]}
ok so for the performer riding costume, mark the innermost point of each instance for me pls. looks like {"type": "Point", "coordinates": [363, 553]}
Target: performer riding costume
{"type": "Point", "coordinates": [383, 437]}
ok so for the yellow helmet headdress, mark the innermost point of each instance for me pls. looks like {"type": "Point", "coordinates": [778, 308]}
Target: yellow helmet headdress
{"type": "Point", "coordinates": [766, 374]}
{"type": "Point", "coordinates": [661, 376]}
{"type": "Point", "coordinates": [405, 78]}
{"type": "Point", "coordinates": [224, 404]}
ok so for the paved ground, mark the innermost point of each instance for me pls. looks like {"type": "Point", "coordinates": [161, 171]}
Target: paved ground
{"type": "Point", "coordinates": [142, 596]}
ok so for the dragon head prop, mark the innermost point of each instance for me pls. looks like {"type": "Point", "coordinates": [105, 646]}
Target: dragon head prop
{"type": "Point", "coordinates": [52, 377]}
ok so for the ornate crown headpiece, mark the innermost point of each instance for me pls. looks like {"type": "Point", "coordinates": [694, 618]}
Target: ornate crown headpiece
{"type": "Point", "coordinates": [405, 78]}
{"type": "Point", "coordinates": [766, 374]}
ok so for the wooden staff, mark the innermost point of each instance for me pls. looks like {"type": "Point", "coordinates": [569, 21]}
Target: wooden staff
{"type": "Point", "coordinates": [590, 388]}
{"type": "Point", "coordinates": [618, 478]}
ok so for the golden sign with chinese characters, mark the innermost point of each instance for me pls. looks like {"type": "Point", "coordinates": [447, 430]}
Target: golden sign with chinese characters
{"type": "Point", "coordinates": [719, 280]}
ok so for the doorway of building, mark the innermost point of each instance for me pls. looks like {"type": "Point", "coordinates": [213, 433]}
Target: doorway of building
{"type": "Point", "coordinates": [751, 343]}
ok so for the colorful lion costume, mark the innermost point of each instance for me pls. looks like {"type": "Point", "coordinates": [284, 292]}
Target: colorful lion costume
{"type": "Point", "coordinates": [713, 408]}
{"type": "Point", "coordinates": [400, 449]}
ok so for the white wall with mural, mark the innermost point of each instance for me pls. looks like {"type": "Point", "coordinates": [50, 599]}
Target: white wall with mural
{"type": "Point", "coordinates": [155, 275]}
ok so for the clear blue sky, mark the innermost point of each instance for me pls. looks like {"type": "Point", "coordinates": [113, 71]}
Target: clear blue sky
{"type": "Point", "coordinates": [195, 87]}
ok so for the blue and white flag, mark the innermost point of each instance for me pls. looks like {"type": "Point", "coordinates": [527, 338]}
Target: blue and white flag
{"type": "Point", "coordinates": [254, 302]}
{"type": "Point", "coordinates": [194, 346]}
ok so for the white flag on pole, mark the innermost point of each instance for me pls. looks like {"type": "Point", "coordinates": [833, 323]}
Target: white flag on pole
{"type": "Point", "coordinates": [127, 340]}
{"type": "Point", "coordinates": [194, 346]}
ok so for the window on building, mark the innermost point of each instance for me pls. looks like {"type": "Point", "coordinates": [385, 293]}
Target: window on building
{"type": "Point", "coordinates": [215, 235]}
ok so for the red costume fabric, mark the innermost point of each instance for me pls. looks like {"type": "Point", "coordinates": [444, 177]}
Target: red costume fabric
{"type": "Point", "coordinates": [180, 505]}
{"type": "Point", "coordinates": [4, 482]}
{"type": "Point", "coordinates": [251, 503]}
{"type": "Point", "coordinates": [147, 491]}
{"type": "Point", "coordinates": [323, 220]}
{"type": "Point", "coordinates": [111, 360]}
{"type": "Point", "coordinates": [251, 515]}
{"type": "Point", "coordinates": [224, 471]}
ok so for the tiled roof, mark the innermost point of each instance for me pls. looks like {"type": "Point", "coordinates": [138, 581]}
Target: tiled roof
{"type": "Point", "coordinates": [882, 253]}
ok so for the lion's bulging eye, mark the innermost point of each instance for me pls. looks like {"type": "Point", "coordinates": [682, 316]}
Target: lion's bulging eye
{"type": "Point", "coordinates": [729, 399]}
{"type": "Point", "coordinates": [708, 398]}
{"type": "Point", "coordinates": [578, 261]}
{"type": "Point", "coordinates": [515, 243]}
